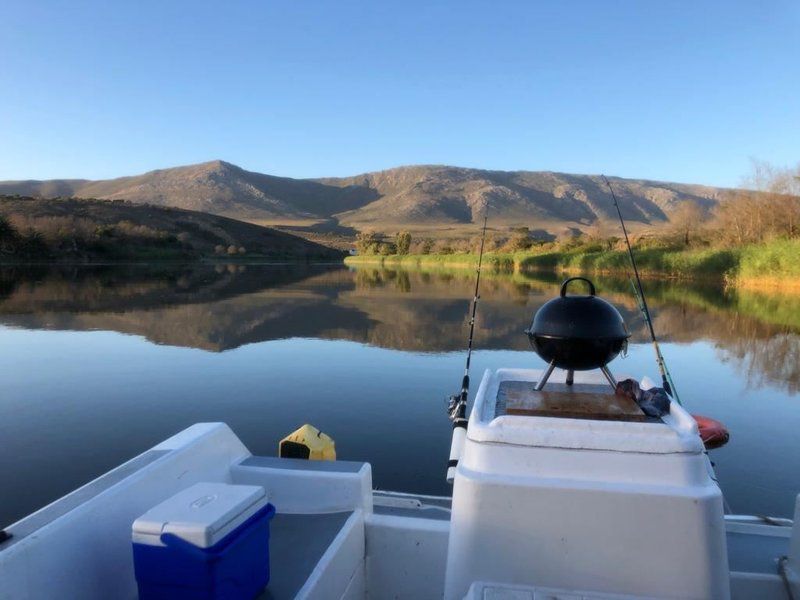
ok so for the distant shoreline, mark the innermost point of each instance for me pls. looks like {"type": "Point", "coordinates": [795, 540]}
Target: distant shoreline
{"type": "Point", "coordinates": [773, 265]}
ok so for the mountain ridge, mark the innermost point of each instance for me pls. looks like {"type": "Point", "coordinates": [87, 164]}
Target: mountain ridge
{"type": "Point", "coordinates": [406, 196]}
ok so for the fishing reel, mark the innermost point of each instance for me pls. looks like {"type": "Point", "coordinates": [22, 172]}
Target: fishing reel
{"type": "Point", "coordinates": [453, 405]}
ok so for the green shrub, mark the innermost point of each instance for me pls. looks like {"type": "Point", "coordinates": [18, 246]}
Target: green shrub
{"type": "Point", "coordinates": [403, 242]}
{"type": "Point", "coordinates": [776, 259]}
{"type": "Point", "coordinates": [387, 249]}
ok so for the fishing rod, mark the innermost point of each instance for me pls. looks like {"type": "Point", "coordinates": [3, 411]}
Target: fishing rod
{"type": "Point", "coordinates": [457, 406]}
{"type": "Point", "coordinates": [666, 378]}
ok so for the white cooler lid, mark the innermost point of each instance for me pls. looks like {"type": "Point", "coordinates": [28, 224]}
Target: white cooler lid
{"type": "Point", "coordinates": [202, 514]}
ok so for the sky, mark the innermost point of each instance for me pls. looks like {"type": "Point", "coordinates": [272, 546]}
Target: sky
{"type": "Point", "coordinates": [669, 90]}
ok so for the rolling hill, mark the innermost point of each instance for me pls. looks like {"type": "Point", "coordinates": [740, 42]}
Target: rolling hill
{"type": "Point", "coordinates": [411, 197]}
{"type": "Point", "coordinates": [87, 230]}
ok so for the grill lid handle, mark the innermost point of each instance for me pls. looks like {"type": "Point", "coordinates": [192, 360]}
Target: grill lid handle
{"type": "Point", "coordinates": [564, 285]}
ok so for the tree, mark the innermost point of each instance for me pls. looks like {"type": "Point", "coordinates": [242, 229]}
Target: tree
{"type": "Point", "coordinates": [492, 243]}
{"type": "Point", "coordinates": [32, 244]}
{"type": "Point", "coordinates": [7, 230]}
{"type": "Point", "coordinates": [769, 206]}
{"type": "Point", "coordinates": [444, 247]}
{"type": "Point", "coordinates": [403, 242]}
{"type": "Point", "coordinates": [368, 242]}
{"type": "Point", "coordinates": [8, 237]}
{"type": "Point", "coordinates": [520, 240]}
{"type": "Point", "coordinates": [687, 220]}
{"type": "Point", "coordinates": [602, 232]}
{"type": "Point", "coordinates": [781, 185]}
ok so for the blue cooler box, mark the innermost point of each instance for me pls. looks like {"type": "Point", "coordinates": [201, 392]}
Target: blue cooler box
{"type": "Point", "coordinates": [210, 541]}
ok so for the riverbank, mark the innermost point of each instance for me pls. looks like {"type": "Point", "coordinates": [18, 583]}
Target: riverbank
{"type": "Point", "coordinates": [766, 266]}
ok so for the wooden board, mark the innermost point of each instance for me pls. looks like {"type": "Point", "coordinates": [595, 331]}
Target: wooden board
{"type": "Point", "coordinates": [571, 402]}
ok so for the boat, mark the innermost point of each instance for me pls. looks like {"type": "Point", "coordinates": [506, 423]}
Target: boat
{"type": "Point", "coordinates": [562, 489]}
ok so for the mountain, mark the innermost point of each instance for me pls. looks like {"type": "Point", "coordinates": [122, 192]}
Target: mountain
{"type": "Point", "coordinates": [417, 196]}
{"type": "Point", "coordinates": [452, 195]}
{"type": "Point", "coordinates": [215, 187]}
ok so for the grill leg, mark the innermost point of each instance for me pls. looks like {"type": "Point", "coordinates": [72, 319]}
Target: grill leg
{"type": "Point", "coordinates": [570, 377]}
{"type": "Point", "coordinates": [610, 377]}
{"type": "Point", "coordinates": [545, 377]}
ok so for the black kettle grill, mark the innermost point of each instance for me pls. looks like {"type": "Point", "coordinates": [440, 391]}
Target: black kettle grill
{"type": "Point", "coordinates": [577, 333]}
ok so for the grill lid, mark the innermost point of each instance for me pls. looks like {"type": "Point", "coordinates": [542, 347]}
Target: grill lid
{"type": "Point", "coordinates": [578, 317]}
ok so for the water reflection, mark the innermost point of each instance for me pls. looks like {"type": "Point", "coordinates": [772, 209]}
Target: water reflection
{"type": "Point", "coordinates": [221, 307]}
{"type": "Point", "coordinates": [266, 348]}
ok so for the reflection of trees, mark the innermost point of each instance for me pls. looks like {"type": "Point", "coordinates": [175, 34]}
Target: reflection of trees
{"type": "Point", "coordinates": [773, 361]}
{"type": "Point", "coordinates": [429, 312]}
{"type": "Point", "coordinates": [214, 307]}
{"type": "Point", "coordinates": [403, 282]}
{"type": "Point", "coordinates": [221, 307]}
{"type": "Point", "coordinates": [131, 287]}
{"type": "Point", "coordinates": [755, 329]}
{"type": "Point", "coordinates": [379, 278]}
{"type": "Point", "coordinates": [764, 353]}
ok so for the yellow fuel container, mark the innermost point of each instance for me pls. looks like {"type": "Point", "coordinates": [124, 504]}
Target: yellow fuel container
{"type": "Point", "coordinates": [309, 443]}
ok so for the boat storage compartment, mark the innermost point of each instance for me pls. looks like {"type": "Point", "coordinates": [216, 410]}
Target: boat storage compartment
{"type": "Point", "coordinates": [209, 541]}
{"type": "Point", "coordinates": [562, 491]}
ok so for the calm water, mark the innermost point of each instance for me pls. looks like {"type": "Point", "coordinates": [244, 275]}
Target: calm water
{"type": "Point", "coordinates": [99, 364]}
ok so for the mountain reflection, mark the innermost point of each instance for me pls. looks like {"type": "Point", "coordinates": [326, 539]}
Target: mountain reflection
{"type": "Point", "coordinates": [221, 307]}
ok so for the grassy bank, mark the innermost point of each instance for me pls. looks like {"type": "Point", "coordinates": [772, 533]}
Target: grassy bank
{"type": "Point", "coordinates": [775, 264]}
{"type": "Point", "coordinates": [500, 262]}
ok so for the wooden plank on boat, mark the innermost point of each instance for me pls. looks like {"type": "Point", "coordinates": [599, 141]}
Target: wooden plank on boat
{"type": "Point", "coordinates": [571, 402]}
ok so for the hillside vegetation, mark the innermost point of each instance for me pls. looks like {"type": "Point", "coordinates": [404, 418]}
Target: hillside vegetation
{"type": "Point", "coordinates": [86, 230]}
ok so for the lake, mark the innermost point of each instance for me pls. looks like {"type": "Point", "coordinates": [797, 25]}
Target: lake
{"type": "Point", "coordinates": [100, 363]}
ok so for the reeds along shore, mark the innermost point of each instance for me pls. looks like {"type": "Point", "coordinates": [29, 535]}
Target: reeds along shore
{"type": "Point", "coordinates": [775, 264]}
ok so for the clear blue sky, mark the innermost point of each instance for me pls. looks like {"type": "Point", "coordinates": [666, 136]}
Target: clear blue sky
{"type": "Point", "coordinates": [674, 90]}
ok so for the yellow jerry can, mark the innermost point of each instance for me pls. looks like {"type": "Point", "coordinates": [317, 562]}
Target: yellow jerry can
{"type": "Point", "coordinates": [307, 442]}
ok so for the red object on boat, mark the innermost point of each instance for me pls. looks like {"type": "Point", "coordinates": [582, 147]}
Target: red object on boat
{"type": "Point", "coordinates": [713, 433]}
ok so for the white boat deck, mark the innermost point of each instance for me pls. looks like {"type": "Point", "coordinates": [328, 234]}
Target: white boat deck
{"type": "Point", "coordinates": [332, 537]}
